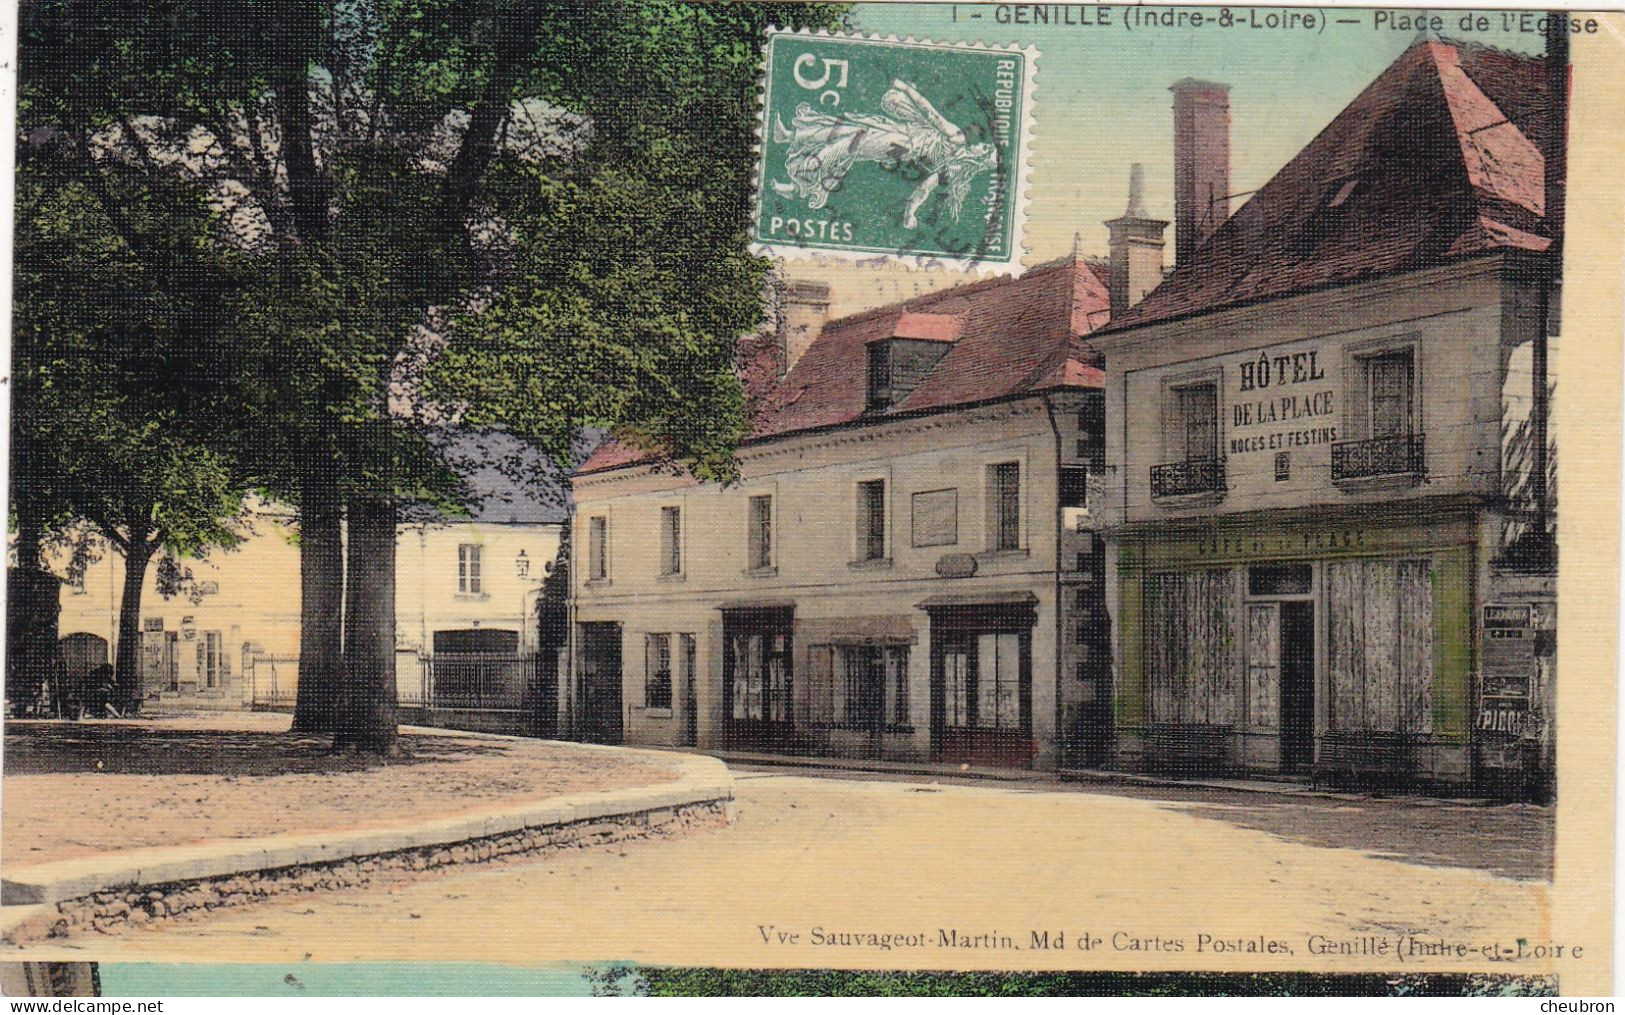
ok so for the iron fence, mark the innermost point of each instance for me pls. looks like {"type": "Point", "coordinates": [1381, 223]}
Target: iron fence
{"type": "Point", "coordinates": [480, 681]}
{"type": "Point", "coordinates": [471, 681]}
{"type": "Point", "coordinates": [270, 683]}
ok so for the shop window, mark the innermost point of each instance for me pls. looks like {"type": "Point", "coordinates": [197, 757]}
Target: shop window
{"type": "Point", "coordinates": [859, 686]}
{"type": "Point", "coordinates": [871, 512]}
{"type": "Point", "coordinates": [469, 582]}
{"type": "Point", "coordinates": [671, 540]}
{"type": "Point", "coordinates": [760, 677]}
{"type": "Point", "coordinates": [760, 536]}
{"type": "Point", "coordinates": [1192, 647]}
{"type": "Point", "coordinates": [982, 683]}
{"type": "Point", "coordinates": [1004, 505]}
{"type": "Point", "coordinates": [1379, 645]}
{"type": "Point", "coordinates": [657, 671]}
{"type": "Point", "coordinates": [597, 548]}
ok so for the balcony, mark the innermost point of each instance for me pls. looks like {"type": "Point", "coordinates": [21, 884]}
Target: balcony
{"type": "Point", "coordinates": [1182, 479]}
{"type": "Point", "coordinates": [1382, 458]}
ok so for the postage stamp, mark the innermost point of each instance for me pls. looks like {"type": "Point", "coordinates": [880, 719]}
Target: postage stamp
{"type": "Point", "coordinates": [907, 150]}
{"type": "Point", "coordinates": [674, 497]}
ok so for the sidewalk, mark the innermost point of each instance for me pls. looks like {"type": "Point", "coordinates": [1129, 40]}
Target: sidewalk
{"type": "Point", "coordinates": [1286, 786]}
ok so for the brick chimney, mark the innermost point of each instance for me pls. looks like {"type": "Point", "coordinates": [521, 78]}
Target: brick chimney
{"type": "Point", "coordinates": [1136, 248]}
{"type": "Point", "coordinates": [1201, 162]}
{"type": "Point", "coordinates": [806, 308]}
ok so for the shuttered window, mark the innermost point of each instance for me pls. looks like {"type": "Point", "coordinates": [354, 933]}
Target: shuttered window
{"type": "Point", "coordinates": [211, 659]}
{"type": "Point", "coordinates": [1199, 416]}
{"type": "Point", "coordinates": [1389, 380]}
{"type": "Point", "coordinates": [671, 540]}
{"type": "Point", "coordinates": [597, 549]}
{"type": "Point", "coordinates": [871, 512]}
{"type": "Point", "coordinates": [760, 539]}
{"type": "Point", "coordinates": [1004, 505]}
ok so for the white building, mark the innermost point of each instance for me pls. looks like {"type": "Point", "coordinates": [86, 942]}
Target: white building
{"type": "Point", "coordinates": [465, 585]}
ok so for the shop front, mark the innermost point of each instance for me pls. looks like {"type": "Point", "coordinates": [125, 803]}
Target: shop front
{"type": "Point", "coordinates": [758, 678]}
{"type": "Point", "coordinates": [982, 679]}
{"type": "Point", "coordinates": [1337, 649]}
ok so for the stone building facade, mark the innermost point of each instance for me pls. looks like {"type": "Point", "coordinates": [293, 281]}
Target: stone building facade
{"type": "Point", "coordinates": [907, 568]}
{"type": "Point", "coordinates": [1328, 552]}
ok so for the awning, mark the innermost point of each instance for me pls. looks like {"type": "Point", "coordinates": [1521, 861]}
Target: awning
{"type": "Point", "coordinates": [973, 599]}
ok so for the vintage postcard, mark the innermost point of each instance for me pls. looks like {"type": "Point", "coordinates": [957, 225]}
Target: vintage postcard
{"type": "Point", "coordinates": [673, 498]}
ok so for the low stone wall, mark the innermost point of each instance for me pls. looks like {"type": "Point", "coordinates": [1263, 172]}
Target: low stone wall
{"type": "Point", "coordinates": [117, 909]}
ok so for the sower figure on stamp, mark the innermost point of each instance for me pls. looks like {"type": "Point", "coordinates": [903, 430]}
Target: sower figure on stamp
{"type": "Point", "coordinates": [825, 147]}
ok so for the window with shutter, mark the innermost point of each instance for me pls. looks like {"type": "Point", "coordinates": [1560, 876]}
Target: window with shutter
{"type": "Point", "coordinates": [1199, 412]}
{"type": "Point", "coordinates": [1004, 504]}
{"type": "Point", "coordinates": [871, 511]}
{"type": "Point", "coordinates": [671, 541]}
{"type": "Point", "coordinates": [761, 532]}
{"type": "Point", "coordinates": [597, 549]}
{"type": "Point", "coordinates": [1389, 381]}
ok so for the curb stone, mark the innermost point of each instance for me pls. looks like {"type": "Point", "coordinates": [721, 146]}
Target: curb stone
{"type": "Point", "coordinates": [703, 781]}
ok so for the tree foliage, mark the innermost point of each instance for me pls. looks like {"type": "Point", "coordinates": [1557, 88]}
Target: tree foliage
{"type": "Point", "coordinates": [401, 215]}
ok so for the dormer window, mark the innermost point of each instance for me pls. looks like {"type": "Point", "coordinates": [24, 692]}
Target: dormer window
{"type": "Point", "coordinates": [879, 376]}
{"type": "Point", "coordinates": [899, 362]}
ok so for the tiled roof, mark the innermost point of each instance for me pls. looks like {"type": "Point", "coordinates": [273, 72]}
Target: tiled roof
{"type": "Point", "coordinates": [928, 327]}
{"type": "Point", "coordinates": [1014, 336]}
{"type": "Point", "coordinates": [508, 480]}
{"type": "Point", "coordinates": [1439, 158]}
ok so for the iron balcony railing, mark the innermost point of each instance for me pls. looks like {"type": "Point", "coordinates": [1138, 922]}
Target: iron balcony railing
{"type": "Point", "coordinates": [1178, 479]}
{"type": "Point", "coordinates": [1384, 456]}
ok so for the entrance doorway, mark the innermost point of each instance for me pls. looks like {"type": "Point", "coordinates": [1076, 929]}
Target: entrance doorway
{"type": "Point", "coordinates": [599, 699]}
{"type": "Point", "coordinates": [758, 680]}
{"type": "Point", "coordinates": [1297, 686]}
{"type": "Point", "coordinates": [981, 685]}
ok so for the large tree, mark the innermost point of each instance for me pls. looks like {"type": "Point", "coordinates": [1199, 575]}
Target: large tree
{"type": "Point", "coordinates": [538, 208]}
{"type": "Point", "coordinates": [116, 371]}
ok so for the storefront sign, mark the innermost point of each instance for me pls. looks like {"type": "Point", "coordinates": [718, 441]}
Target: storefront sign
{"type": "Point", "coordinates": [1287, 541]}
{"type": "Point", "coordinates": [1504, 715]}
{"type": "Point", "coordinates": [1508, 651]}
{"type": "Point", "coordinates": [1508, 667]}
{"type": "Point", "coordinates": [1282, 399]}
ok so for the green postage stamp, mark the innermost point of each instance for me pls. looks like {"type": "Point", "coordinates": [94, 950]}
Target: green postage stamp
{"type": "Point", "coordinates": [899, 149]}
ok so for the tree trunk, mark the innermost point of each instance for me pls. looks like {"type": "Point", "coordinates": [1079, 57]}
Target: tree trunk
{"type": "Point", "coordinates": [367, 697]}
{"type": "Point", "coordinates": [32, 605]}
{"type": "Point", "coordinates": [321, 606]}
{"type": "Point", "coordinates": [127, 666]}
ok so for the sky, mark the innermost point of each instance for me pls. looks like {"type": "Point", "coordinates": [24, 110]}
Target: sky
{"type": "Point", "coordinates": [1102, 103]}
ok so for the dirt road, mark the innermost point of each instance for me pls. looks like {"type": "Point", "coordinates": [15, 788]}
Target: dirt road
{"type": "Point", "coordinates": [830, 872]}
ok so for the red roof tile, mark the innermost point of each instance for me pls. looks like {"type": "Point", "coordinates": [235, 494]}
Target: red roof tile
{"type": "Point", "coordinates": [1443, 154]}
{"type": "Point", "coordinates": [928, 327]}
{"type": "Point", "coordinates": [1013, 336]}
